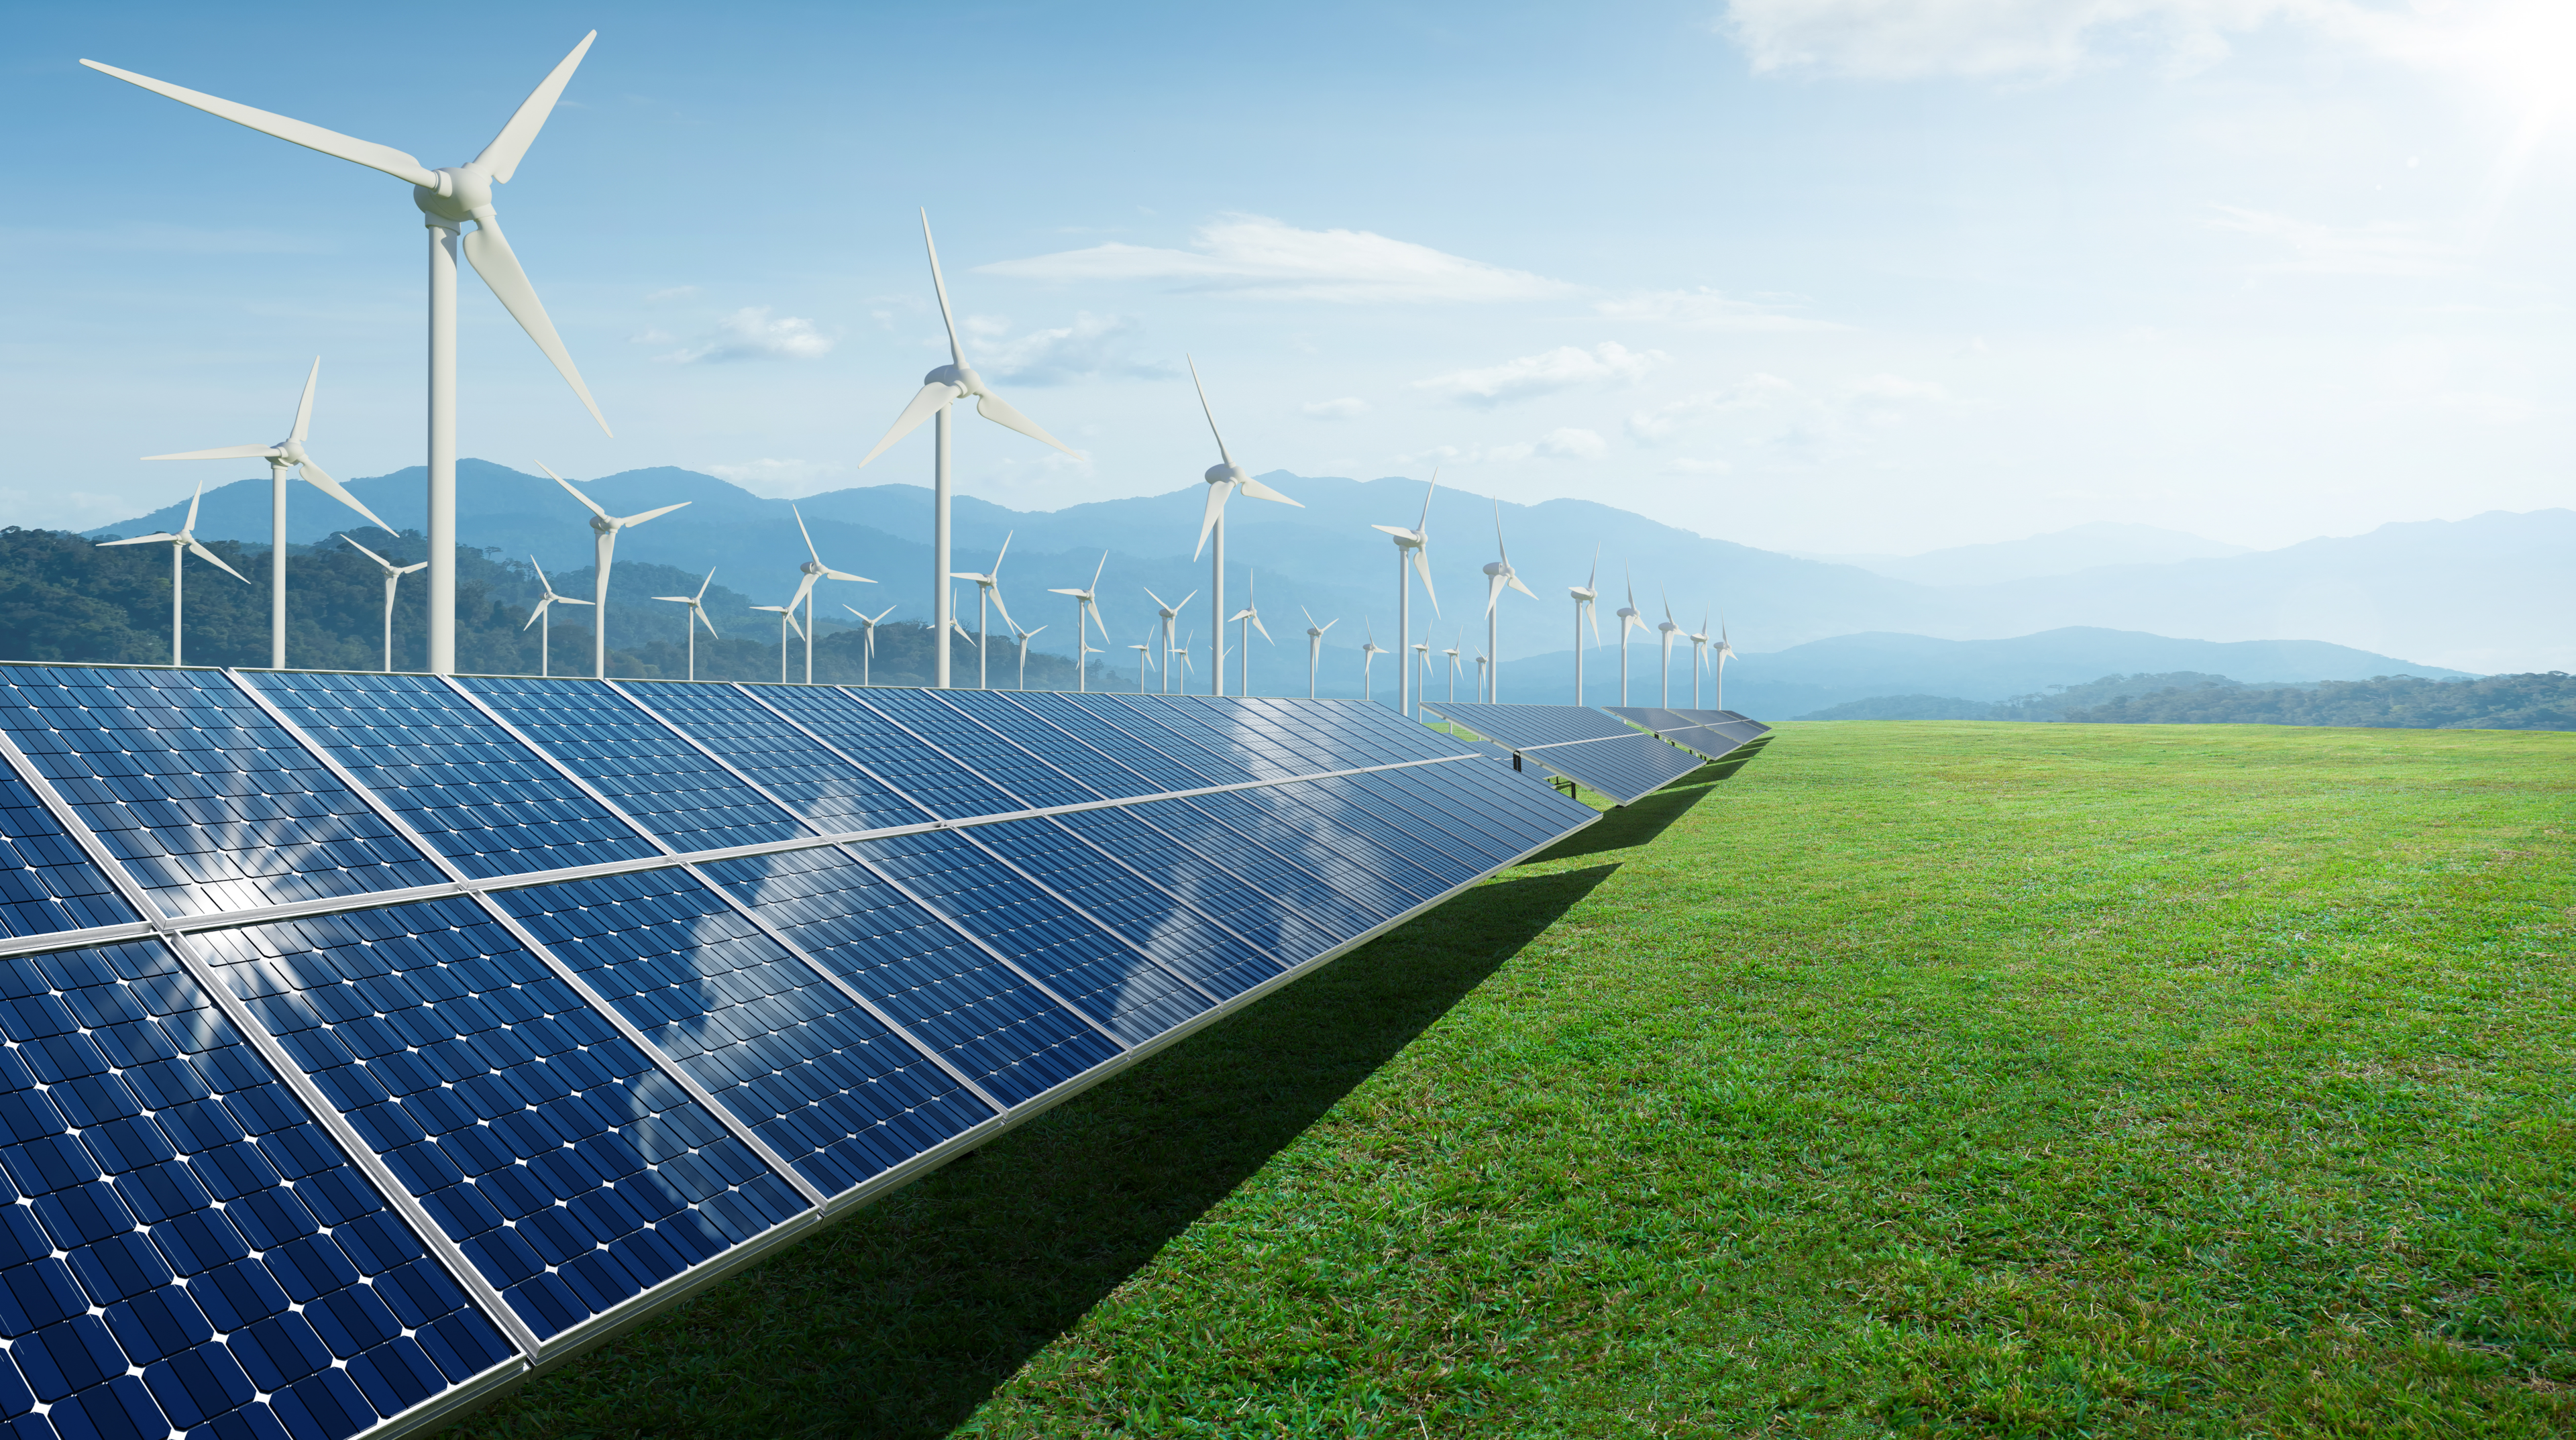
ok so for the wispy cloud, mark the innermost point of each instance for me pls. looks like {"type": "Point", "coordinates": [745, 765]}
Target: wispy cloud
{"type": "Point", "coordinates": [1257, 256]}
{"type": "Point", "coordinates": [1754, 392]}
{"type": "Point", "coordinates": [750, 334]}
{"type": "Point", "coordinates": [780, 479]}
{"type": "Point", "coordinates": [1566, 442]}
{"type": "Point", "coordinates": [2380, 248]}
{"type": "Point", "coordinates": [1706, 309]}
{"type": "Point", "coordinates": [1563, 368]}
{"type": "Point", "coordinates": [1092, 346]}
{"type": "Point", "coordinates": [1347, 407]}
{"type": "Point", "coordinates": [1914, 39]}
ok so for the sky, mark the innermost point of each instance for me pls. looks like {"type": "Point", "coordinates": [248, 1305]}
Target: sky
{"type": "Point", "coordinates": [1839, 276]}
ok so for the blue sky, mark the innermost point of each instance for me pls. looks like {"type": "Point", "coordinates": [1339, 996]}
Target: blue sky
{"type": "Point", "coordinates": [1824, 275]}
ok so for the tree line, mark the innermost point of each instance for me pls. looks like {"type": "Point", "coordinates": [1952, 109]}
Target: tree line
{"type": "Point", "coordinates": [2531, 701]}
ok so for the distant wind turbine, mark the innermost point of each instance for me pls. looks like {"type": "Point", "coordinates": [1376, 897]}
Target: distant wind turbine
{"type": "Point", "coordinates": [1250, 616]}
{"type": "Point", "coordinates": [1499, 576]}
{"type": "Point", "coordinates": [1413, 549]}
{"type": "Point", "coordinates": [1699, 655]}
{"type": "Point", "coordinates": [1452, 653]}
{"type": "Point", "coordinates": [786, 621]}
{"type": "Point", "coordinates": [603, 529]}
{"type": "Point", "coordinates": [285, 455]}
{"type": "Point", "coordinates": [697, 616]}
{"type": "Point", "coordinates": [1169, 614]}
{"type": "Point", "coordinates": [1483, 677]}
{"type": "Point", "coordinates": [1086, 606]}
{"type": "Point", "coordinates": [1368, 663]}
{"type": "Point", "coordinates": [448, 199]}
{"type": "Point", "coordinates": [1024, 637]}
{"type": "Point", "coordinates": [1314, 645]}
{"type": "Point", "coordinates": [940, 389]}
{"type": "Point", "coordinates": [182, 544]}
{"type": "Point", "coordinates": [868, 640]}
{"type": "Point", "coordinates": [1629, 619]}
{"type": "Point", "coordinates": [393, 578]}
{"type": "Point", "coordinates": [1585, 598]}
{"type": "Point", "coordinates": [988, 598]}
{"type": "Point", "coordinates": [812, 571]}
{"type": "Point", "coordinates": [1718, 658]}
{"type": "Point", "coordinates": [1223, 480]}
{"type": "Point", "coordinates": [1669, 629]}
{"type": "Point", "coordinates": [545, 603]}
{"type": "Point", "coordinates": [1144, 657]}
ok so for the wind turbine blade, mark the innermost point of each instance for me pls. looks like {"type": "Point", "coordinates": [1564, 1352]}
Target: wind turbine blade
{"type": "Point", "coordinates": [956, 353]}
{"type": "Point", "coordinates": [1259, 491]}
{"type": "Point", "coordinates": [1004, 610]}
{"type": "Point", "coordinates": [1193, 595]}
{"type": "Point", "coordinates": [407, 569]}
{"type": "Point", "coordinates": [994, 408]}
{"type": "Point", "coordinates": [832, 574]}
{"type": "Point", "coordinates": [674, 599]}
{"type": "Point", "coordinates": [1208, 517]}
{"type": "Point", "coordinates": [1515, 582]}
{"type": "Point", "coordinates": [925, 403]}
{"type": "Point", "coordinates": [1424, 528]}
{"type": "Point", "coordinates": [998, 554]}
{"type": "Point", "coordinates": [804, 587]}
{"type": "Point", "coordinates": [1397, 531]}
{"type": "Point", "coordinates": [312, 137]}
{"type": "Point", "coordinates": [211, 558]}
{"type": "Point", "coordinates": [490, 252]}
{"type": "Point", "coordinates": [700, 611]}
{"type": "Point", "coordinates": [501, 157]}
{"type": "Point", "coordinates": [225, 452]}
{"type": "Point", "coordinates": [370, 554]}
{"type": "Point", "coordinates": [1329, 624]}
{"type": "Point", "coordinates": [323, 482]}
{"type": "Point", "coordinates": [1422, 563]}
{"type": "Point", "coordinates": [651, 515]}
{"type": "Point", "coordinates": [190, 528]}
{"type": "Point", "coordinates": [1493, 592]}
{"type": "Point", "coordinates": [1262, 630]}
{"type": "Point", "coordinates": [304, 407]}
{"type": "Point", "coordinates": [539, 612]}
{"type": "Point", "coordinates": [703, 584]}
{"type": "Point", "coordinates": [160, 536]}
{"type": "Point", "coordinates": [1209, 411]}
{"type": "Point", "coordinates": [810, 552]}
{"type": "Point", "coordinates": [1157, 599]}
{"type": "Point", "coordinates": [1593, 580]}
{"type": "Point", "coordinates": [591, 504]}
{"type": "Point", "coordinates": [1096, 569]}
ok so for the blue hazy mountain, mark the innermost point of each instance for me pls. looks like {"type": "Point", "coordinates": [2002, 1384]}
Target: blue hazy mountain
{"type": "Point", "coordinates": [2061, 552]}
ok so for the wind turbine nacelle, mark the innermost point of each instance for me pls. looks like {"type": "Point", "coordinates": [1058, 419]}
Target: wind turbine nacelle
{"type": "Point", "coordinates": [1227, 475]}
{"type": "Point", "coordinates": [601, 524]}
{"type": "Point", "coordinates": [1495, 567]}
{"type": "Point", "coordinates": [289, 453]}
{"type": "Point", "coordinates": [462, 190]}
{"type": "Point", "coordinates": [963, 377]}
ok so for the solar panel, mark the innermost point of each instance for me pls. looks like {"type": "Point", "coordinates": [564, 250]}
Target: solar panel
{"type": "Point", "coordinates": [373, 1040]}
{"type": "Point", "coordinates": [1584, 745]}
{"type": "Point", "coordinates": [1681, 727]}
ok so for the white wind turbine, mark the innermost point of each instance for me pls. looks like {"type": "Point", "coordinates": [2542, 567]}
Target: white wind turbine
{"type": "Point", "coordinates": [1669, 629]}
{"type": "Point", "coordinates": [1585, 598]}
{"type": "Point", "coordinates": [959, 631]}
{"type": "Point", "coordinates": [1368, 664]}
{"type": "Point", "coordinates": [1250, 616]}
{"type": "Point", "coordinates": [448, 199]}
{"type": "Point", "coordinates": [1699, 655]}
{"type": "Point", "coordinates": [812, 570]}
{"type": "Point", "coordinates": [1314, 645]}
{"type": "Point", "coordinates": [1482, 677]}
{"type": "Point", "coordinates": [1413, 549]}
{"type": "Point", "coordinates": [546, 602]}
{"type": "Point", "coordinates": [1144, 657]}
{"type": "Point", "coordinates": [603, 529]}
{"type": "Point", "coordinates": [1086, 606]}
{"type": "Point", "coordinates": [1223, 480]}
{"type": "Point", "coordinates": [1169, 614]}
{"type": "Point", "coordinates": [1630, 618]}
{"type": "Point", "coordinates": [1718, 658]}
{"type": "Point", "coordinates": [1422, 652]}
{"type": "Point", "coordinates": [180, 544]}
{"type": "Point", "coordinates": [1182, 654]}
{"type": "Point", "coordinates": [940, 389]}
{"type": "Point", "coordinates": [786, 621]}
{"type": "Point", "coordinates": [1499, 576]}
{"type": "Point", "coordinates": [1024, 637]}
{"type": "Point", "coordinates": [697, 617]}
{"type": "Point", "coordinates": [868, 640]}
{"type": "Point", "coordinates": [285, 455]}
{"type": "Point", "coordinates": [988, 598]}
{"type": "Point", "coordinates": [393, 578]}
{"type": "Point", "coordinates": [1454, 663]}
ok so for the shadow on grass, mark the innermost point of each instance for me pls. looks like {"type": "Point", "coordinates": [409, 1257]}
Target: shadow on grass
{"type": "Point", "coordinates": [1638, 824]}
{"type": "Point", "coordinates": [900, 1320]}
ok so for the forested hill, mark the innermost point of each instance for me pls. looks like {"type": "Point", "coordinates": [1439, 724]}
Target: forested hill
{"type": "Point", "coordinates": [2494, 702]}
{"type": "Point", "coordinates": [63, 597]}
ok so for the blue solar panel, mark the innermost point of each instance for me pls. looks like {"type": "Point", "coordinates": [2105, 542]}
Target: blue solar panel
{"type": "Point", "coordinates": [1293, 917]}
{"type": "Point", "coordinates": [187, 1247]}
{"type": "Point", "coordinates": [1027, 722]}
{"type": "Point", "coordinates": [1588, 746]}
{"type": "Point", "coordinates": [814, 1075]}
{"type": "Point", "coordinates": [980, 1015]}
{"type": "Point", "coordinates": [46, 882]}
{"type": "Point", "coordinates": [570, 1170]}
{"type": "Point", "coordinates": [1027, 781]}
{"type": "Point", "coordinates": [1076, 716]}
{"type": "Point", "coordinates": [1191, 752]}
{"type": "Point", "coordinates": [661, 781]}
{"type": "Point", "coordinates": [1127, 994]}
{"type": "Point", "coordinates": [901, 761]}
{"type": "Point", "coordinates": [827, 791]}
{"type": "Point", "coordinates": [1526, 727]}
{"type": "Point", "coordinates": [488, 803]}
{"type": "Point", "coordinates": [210, 805]}
{"type": "Point", "coordinates": [1132, 907]}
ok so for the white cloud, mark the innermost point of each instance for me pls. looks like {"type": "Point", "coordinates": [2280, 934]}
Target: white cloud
{"type": "Point", "coordinates": [1754, 392]}
{"type": "Point", "coordinates": [749, 334]}
{"type": "Point", "coordinates": [1255, 255]}
{"type": "Point", "coordinates": [2380, 248]}
{"type": "Point", "coordinates": [1566, 442]}
{"type": "Point", "coordinates": [1570, 443]}
{"type": "Point", "coordinates": [1562, 368]}
{"type": "Point", "coordinates": [1348, 407]}
{"type": "Point", "coordinates": [1086, 348]}
{"type": "Point", "coordinates": [1706, 309]}
{"type": "Point", "coordinates": [1911, 39]}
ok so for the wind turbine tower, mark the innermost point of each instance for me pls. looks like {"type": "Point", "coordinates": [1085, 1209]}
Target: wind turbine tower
{"type": "Point", "coordinates": [1413, 550]}
{"type": "Point", "coordinates": [1719, 657]}
{"type": "Point", "coordinates": [1499, 576]}
{"type": "Point", "coordinates": [1223, 479]}
{"type": "Point", "coordinates": [1669, 629]}
{"type": "Point", "coordinates": [1250, 616]}
{"type": "Point", "coordinates": [868, 639]}
{"type": "Point", "coordinates": [603, 528]}
{"type": "Point", "coordinates": [545, 605]}
{"type": "Point", "coordinates": [1629, 619]}
{"type": "Point", "coordinates": [180, 545]}
{"type": "Point", "coordinates": [1314, 645]}
{"type": "Point", "coordinates": [1368, 664]}
{"type": "Point", "coordinates": [814, 572]}
{"type": "Point", "coordinates": [1086, 607]}
{"type": "Point", "coordinates": [697, 617]}
{"type": "Point", "coordinates": [1585, 597]}
{"type": "Point", "coordinates": [393, 578]}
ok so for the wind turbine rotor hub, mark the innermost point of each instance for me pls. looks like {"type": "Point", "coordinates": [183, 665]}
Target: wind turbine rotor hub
{"type": "Point", "coordinates": [462, 190]}
{"type": "Point", "coordinates": [601, 524]}
{"type": "Point", "coordinates": [1497, 567]}
{"type": "Point", "coordinates": [962, 377]}
{"type": "Point", "coordinates": [810, 567]}
{"type": "Point", "coordinates": [1228, 475]}
{"type": "Point", "coordinates": [291, 453]}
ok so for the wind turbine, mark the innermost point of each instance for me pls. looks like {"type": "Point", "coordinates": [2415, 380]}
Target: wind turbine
{"type": "Point", "coordinates": [1699, 655]}
{"type": "Point", "coordinates": [1452, 653]}
{"type": "Point", "coordinates": [1144, 656]}
{"type": "Point", "coordinates": [1499, 576]}
{"type": "Point", "coordinates": [180, 544]}
{"type": "Point", "coordinates": [1412, 547]}
{"type": "Point", "coordinates": [960, 632]}
{"type": "Point", "coordinates": [1585, 596]}
{"type": "Point", "coordinates": [988, 598]}
{"type": "Point", "coordinates": [1223, 479]}
{"type": "Point", "coordinates": [940, 389]}
{"type": "Point", "coordinates": [1629, 619]}
{"type": "Point", "coordinates": [393, 578]}
{"type": "Point", "coordinates": [1719, 657]}
{"type": "Point", "coordinates": [1086, 606]}
{"type": "Point", "coordinates": [697, 616]}
{"type": "Point", "coordinates": [1182, 654]}
{"type": "Point", "coordinates": [1482, 677]}
{"type": "Point", "coordinates": [812, 570]}
{"type": "Point", "coordinates": [1314, 645]}
{"type": "Point", "coordinates": [1250, 615]}
{"type": "Point", "coordinates": [1024, 637]}
{"type": "Point", "coordinates": [1669, 630]}
{"type": "Point", "coordinates": [603, 529]}
{"type": "Point", "coordinates": [1422, 648]}
{"type": "Point", "coordinates": [285, 455]}
{"type": "Point", "coordinates": [448, 199]}
{"type": "Point", "coordinates": [786, 621]}
{"type": "Point", "coordinates": [1368, 664]}
{"type": "Point", "coordinates": [1169, 613]}
{"type": "Point", "coordinates": [868, 640]}
{"type": "Point", "coordinates": [545, 634]}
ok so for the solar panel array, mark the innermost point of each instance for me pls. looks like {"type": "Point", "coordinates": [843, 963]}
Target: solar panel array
{"type": "Point", "coordinates": [370, 1040]}
{"type": "Point", "coordinates": [1713, 733]}
{"type": "Point", "coordinates": [1597, 749]}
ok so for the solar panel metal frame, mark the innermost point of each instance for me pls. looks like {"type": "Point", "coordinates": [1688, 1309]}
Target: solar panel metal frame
{"type": "Point", "coordinates": [535, 1355]}
{"type": "Point", "coordinates": [1712, 738]}
{"type": "Point", "coordinates": [1567, 756]}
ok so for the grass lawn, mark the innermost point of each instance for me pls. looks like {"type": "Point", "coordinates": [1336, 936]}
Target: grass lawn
{"type": "Point", "coordinates": [1921, 1078]}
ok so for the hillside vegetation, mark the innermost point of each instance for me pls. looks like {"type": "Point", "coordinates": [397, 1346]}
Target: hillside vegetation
{"type": "Point", "coordinates": [2493, 702]}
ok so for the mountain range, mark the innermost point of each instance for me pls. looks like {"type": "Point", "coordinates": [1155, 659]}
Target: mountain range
{"type": "Point", "coordinates": [2482, 594]}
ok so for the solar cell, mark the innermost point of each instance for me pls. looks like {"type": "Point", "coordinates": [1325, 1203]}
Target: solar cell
{"type": "Point", "coordinates": [489, 804]}
{"type": "Point", "coordinates": [1682, 727]}
{"type": "Point", "coordinates": [209, 804]}
{"type": "Point", "coordinates": [1217, 961]}
{"type": "Point", "coordinates": [904, 762]}
{"type": "Point", "coordinates": [660, 780]}
{"type": "Point", "coordinates": [1587, 746]}
{"type": "Point", "coordinates": [46, 884]}
{"type": "Point", "coordinates": [185, 1247]}
{"type": "Point", "coordinates": [819, 786]}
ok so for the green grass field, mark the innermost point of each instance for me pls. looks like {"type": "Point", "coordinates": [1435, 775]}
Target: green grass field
{"type": "Point", "coordinates": [1939, 1079]}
